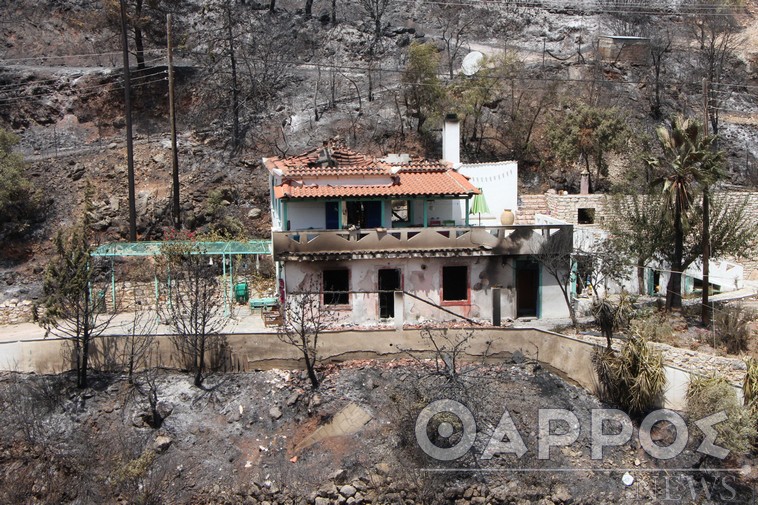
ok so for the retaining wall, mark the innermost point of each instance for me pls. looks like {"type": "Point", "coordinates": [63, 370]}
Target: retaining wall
{"type": "Point", "coordinates": [567, 356]}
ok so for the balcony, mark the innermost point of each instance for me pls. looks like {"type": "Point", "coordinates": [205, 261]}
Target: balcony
{"type": "Point", "coordinates": [484, 241]}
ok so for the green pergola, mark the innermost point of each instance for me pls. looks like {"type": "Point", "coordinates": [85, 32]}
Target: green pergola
{"type": "Point", "coordinates": [227, 251]}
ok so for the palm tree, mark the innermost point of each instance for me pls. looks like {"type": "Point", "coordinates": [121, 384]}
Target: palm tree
{"type": "Point", "coordinates": [688, 161]}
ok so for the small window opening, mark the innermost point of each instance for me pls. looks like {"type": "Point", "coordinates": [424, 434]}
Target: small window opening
{"type": "Point", "coordinates": [336, 287]}
{"type": "Point", "coordinates": [585, 216]}
{"type": "Point", "coordinates": [454, 284]}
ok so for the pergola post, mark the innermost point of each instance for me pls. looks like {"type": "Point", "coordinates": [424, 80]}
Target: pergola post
{"type": "Point", "coordinates": [223, 283]}
{"type": "Point", "coordinates": [157, 296]}
{"type": "Point", "coordinates": [231, 284]}
{"type": "Point", "coordinates": [113, 285]}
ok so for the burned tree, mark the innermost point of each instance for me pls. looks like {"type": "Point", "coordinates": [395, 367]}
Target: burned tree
{"type": "Point", "coordinates": [138, 343]}
{"type": "Point", "coordinates": [74, 303]}
{"type": "Point", "coordinates": [193, 307]}
{"type": "Point", "coordinates": [305, 319]}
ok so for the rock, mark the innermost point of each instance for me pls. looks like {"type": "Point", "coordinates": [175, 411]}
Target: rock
{"type": "Point", "coordinates": [322, 501]}
{"type": "Point", "coordinates": [164, 409]}
{"type": "Point", "coordinates": [162, 443]}
{"type": "Point", "coordinates": [293, 399]}
{"type": "Point", "coordinates": [141, 419]}
{"type": "Point", "coordinates": [315, 401]}
{"type": "Point", "coordinates": [275, 412]}
{"type": "Point", "coordinates": [77, 172]}
{"type": "Point", "coordinates": [254, 213]}
{"type": "Point", "coordinates": [101, 225]}
{"type": "Point", "coordinates": [339, 476]}
{"type": "Point", "coordinates": [112, 145]}
{"type": "Point", "coordinates": [382, 468]}
{"type": "Point", "coordinates": [561, 494]}
{"type": "Point", "coordinates": [347, 491]}
{"type": "Point", "coordinates": [517, 357]}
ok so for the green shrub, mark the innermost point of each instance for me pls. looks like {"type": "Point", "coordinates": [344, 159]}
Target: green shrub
{"type": "Point", "coordinates": [732, 325]}
{"type": "Point", "coordinates": [750, 387]}
{"type": "Point", "coordinates": [634, 378]}
{"type": "Point", "coordinates": [20, 205]}
{"type": "Point", "coordinates": [709, 395]}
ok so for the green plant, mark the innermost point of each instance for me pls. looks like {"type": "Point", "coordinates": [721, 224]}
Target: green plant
{"type": "Point", "coordinates": [612, 316]}
{"type": "Point", "coordinates": [634, 378]}
{"type": "Point", "coordinates": [136, 468]}
{"type": "Point", "coordinates": [732, 325]}
{"type": "Point", "coordinates": [750, 387]}
{"type": "Point", "coordinates": [218, 198]}
{"type": "Point", "coordinates": [20, 203]}
{"type": "Point", "coordinates": [710, 395]}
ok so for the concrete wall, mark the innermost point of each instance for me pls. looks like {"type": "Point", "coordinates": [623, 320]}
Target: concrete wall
{"type": "Point", "coordinates": [423, 278]}
{"type": "Point", "coordinates": [567, 356]}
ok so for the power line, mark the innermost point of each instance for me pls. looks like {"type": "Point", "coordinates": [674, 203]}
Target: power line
{"type": "Point", "coordinates": [640, 8]}
{"type": "Point", "coordinates": [93, 90]}
{"type": "Point", "coordinates": [64, 56]}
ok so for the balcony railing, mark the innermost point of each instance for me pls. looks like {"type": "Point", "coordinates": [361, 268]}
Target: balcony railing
{"type": "Point", "coordinates": [485, 239]}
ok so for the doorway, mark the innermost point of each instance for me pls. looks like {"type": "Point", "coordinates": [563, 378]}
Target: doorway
{"type": "Point", "coordinates": [527, 289]}
{"type": "Point", "coordinates": [364, 214]}
{"type": "Point", "coordinates": [389, 282]}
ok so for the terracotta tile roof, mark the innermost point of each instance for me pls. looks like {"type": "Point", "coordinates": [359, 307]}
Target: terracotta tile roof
{"type": "Point", "coordinates": [415, 183]}
{"type": "Point", "coordinates": [334, 159]}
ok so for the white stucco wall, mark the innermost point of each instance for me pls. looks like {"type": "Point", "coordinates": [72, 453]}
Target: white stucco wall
{"type": "Point", "coordinates": [552, 302]}
{"type": "Point", "coordinates": [499, 184]}
{"type": "Point", "coordinates": [305, 215]}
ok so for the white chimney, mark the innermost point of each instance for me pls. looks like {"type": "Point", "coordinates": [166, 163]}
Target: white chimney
{"type": "Point", "coordinates": [451, 140]}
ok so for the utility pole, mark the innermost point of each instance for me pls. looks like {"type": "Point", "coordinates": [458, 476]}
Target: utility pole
{"type": "Point", "coordinates": [176, 212]}
{"type": "Point", "coordinates": [705, 312]}
{"type": "Point", "coordinates": [129, 145]}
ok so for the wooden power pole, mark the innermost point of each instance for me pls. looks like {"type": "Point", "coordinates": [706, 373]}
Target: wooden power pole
{"type": "Point", "coordinates": [129, 144]}
{"type": "Point", "coordinates": [705, 310]}
{"type": "Point", "coordinates": [175, 210]}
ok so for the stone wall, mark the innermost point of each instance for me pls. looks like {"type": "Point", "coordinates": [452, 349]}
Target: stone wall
{"type": "Point", "coordinates": [16, 311]}
{"type": "Point", "coordinates": [566, 208]}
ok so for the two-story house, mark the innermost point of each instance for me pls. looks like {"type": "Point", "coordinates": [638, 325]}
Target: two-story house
{"type": "Point", "coordinates": [378, 236]}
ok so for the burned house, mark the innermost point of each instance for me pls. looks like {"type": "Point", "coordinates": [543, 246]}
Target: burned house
{"type": "Point", "coordinates": [396, 239]}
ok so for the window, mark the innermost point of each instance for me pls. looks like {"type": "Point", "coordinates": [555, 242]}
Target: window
{"type": "Point", "coordinates": [336, 287]}
{"type": "Point", "coordinates": [455, 284]}
{"type": "Point", "coordinates": [585, 216]}
{"type": "Point", "coordinates": [401, 211]}
{"type": "Point", "coordinates": [332, 218]}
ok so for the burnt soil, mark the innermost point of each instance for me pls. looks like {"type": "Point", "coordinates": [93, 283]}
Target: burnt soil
{"type": "Point", "coordinates": [234, 442]}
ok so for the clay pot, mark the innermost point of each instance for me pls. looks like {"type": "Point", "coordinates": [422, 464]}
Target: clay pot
{"type": "Point", "coordinates": [507, 218]}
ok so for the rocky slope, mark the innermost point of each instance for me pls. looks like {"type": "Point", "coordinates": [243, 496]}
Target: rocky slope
{"type": "Point", "coordinates": [264, 437]}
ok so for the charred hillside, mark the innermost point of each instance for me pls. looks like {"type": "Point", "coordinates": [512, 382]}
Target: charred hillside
{"type": "Point", "coordinates": [269, 79]}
